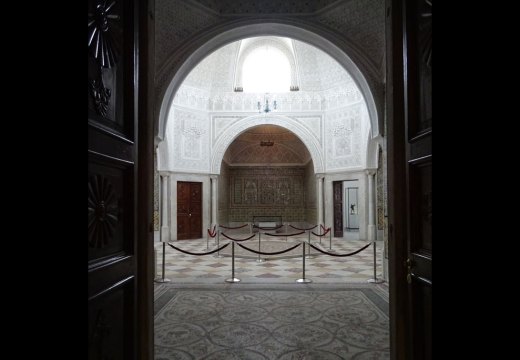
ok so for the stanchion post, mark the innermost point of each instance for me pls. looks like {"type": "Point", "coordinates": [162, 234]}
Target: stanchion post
{"type": "Point", "coordinates": [259, 258]}
{"type": "Point", "coordinates": [163, 279]}
{"type": "Point", "coordinates": [233, 279]}
{"type": "Point", "coordinates": [330, 239]}
{"type": "Point", "coordinates": [375, 280]}
{"type": "Point", "coordinates": [217, 255]}
{"type": "Point", "coordinates": [303, 280]}
{"type": "Point", "coordinates": [309, 246]}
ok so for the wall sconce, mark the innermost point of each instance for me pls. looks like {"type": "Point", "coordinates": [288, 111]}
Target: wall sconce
{"type": "Point", "coordinates": [266, 107]}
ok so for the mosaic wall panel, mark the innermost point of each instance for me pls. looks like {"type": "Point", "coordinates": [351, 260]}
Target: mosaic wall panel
{"type": "Point", "coordinates": [266, 191]}
{"type": "Point", "coordinates": [223, 194]}
{"type": "Point", "coordinates": [311, 209]}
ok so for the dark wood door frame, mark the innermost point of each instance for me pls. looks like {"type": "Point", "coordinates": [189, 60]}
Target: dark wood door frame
{"type": "Point", "coordinates": [337, 194]}
{"type": "Point", "coordinates": [120, 180]}
{"type": "Point", "coordinates": [189, 210]}
{"type": "Point", "coordinates": [409, 178]}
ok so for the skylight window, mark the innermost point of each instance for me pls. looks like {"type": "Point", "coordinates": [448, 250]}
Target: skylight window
{"type": "Point", "coordinates": [266, 69]}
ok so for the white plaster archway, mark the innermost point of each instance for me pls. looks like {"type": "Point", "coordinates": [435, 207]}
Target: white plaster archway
{"type": "Point", "coordinates": [216, 38]}
{"type": "Point", "coordinates": [232, 132]}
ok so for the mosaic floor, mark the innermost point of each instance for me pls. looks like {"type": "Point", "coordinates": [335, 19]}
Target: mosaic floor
{"type": "Point", "coordinates": [183, 268]}
{"type": "Point", "coordinates": [276, 321]}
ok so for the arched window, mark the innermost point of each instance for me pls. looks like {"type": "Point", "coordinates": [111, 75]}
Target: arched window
{"type": "Point", "coordinates": [266, 69]}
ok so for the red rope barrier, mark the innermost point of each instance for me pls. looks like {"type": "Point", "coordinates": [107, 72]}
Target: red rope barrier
{"type": "Point", "coordinates": [229, 227]}
{"type": "Point", "coordinates": [341, 255]}
{"type": "Point", "coordinates": [325, 233]}
{"type": "Point", "coordinates": [294, 227]}
{"type": "Point", "coordinates": [230, 238]}
{"type": "Point", "coordinates": [273, 253]}
{"type": "Point", "coordinates": [268, 228]}
{"type": "Point", "coordinates": [212, 233]}
{"type": "Point", "coordinates": [281, 234]}
{"type": "Point", "coordinates": [199, 254]}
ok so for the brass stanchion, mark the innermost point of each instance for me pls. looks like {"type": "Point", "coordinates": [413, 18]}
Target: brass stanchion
{"type": "Point", "coordinates": [163, 279]}
{"type": "Point", "coordinates": [303, 280]}
{"type": "Point", "coordinates": [375, 280]}
{"type": "Point", "coordinates": [233, 278]}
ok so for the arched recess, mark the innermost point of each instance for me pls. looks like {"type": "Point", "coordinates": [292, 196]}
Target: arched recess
{"type": "Point", "coordinates": [180, 64]}
{"type": "Point", "coordinates": [231, 133]}
{"type": "Point", "coordinates": [373, 146]}
{"type": "Point", "coordinates": [277, 44]}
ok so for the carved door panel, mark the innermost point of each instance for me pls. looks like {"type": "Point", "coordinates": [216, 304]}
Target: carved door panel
{"type": "Point", "coordinates": [418, 120]}
{"type": "Point", "coordinates": [112, 124]}
{"type": "Point", "coordinates": [338, 208]}
{"type": "Point", "coordinates": [189, 210]}
{"type": "Point", "coordinates": [410, 178]}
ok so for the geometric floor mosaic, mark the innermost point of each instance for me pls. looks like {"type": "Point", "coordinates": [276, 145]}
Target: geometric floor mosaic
{"type": "Point", "coordinates": [275, 321]}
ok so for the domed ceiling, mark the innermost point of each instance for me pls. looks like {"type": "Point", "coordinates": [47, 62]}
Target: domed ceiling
{"type": "Point", "coordinates": [267, 145]}
{"type": "Point", "coordinates": [322, 104]}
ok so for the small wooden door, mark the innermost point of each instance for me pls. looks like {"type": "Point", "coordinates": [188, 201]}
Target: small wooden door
{"type": "Point", "coordinates": [189, 210]}
{"type": "Point", "coordinates": [338, 208]}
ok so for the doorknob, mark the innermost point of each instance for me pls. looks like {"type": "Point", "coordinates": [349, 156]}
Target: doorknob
{"type": "Point", "coordinates": [189, 215]}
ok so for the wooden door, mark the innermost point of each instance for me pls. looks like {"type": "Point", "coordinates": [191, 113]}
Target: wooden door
{"type": "Point", "coordinates": [410, 178]}
{"type": "Point", "coordinates": [337, 188]}
{"type": "Point", "coordinates": [114, 307]}
{"type": "Point", "coordinates": [189, 210]}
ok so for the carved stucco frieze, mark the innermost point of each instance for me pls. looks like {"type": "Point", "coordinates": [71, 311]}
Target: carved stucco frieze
{"type": "Point", "coordinates": [191, 143]}
{"type": "Point", "coordinates": [290, 124]}
{"type": "Point", "coordinates": [343, 131]}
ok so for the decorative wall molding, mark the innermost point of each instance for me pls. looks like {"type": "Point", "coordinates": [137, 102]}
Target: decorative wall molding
{"type": "Point", "coordinates": [229, 135]}
{"type": "Point", "coordinates": [246, 7]}
{"type": "Point", "coordinates": [343, 131]}
{"type": "Point", "coordinates": [335, 45]}
{"type": "Point", "coordinates": [191, 141]}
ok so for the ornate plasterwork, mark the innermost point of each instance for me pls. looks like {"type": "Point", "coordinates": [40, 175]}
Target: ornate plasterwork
{"type": "Point", "coordinates": [192, 97]}
{"type": "Point", "coordinates": [344, 133]}
{"type": "Point", "coordinates": [175, 21]}
{"type": "Point", "coordinates": [230, 7]}
{"type": "Point", "coordinates": [286, 102]}
{"type": "Point", "coordinates": [317, 70]}
{"type": "Point", "coordinates": [314, 124]}
{"type": "Point", "coordinates": [361, 21]}
{"type": "Point", "coordinates": [191, 141]}
{"type": "Point", "coordinates": [220, 123]}
{"type": "Point", "coordinates": [227, 137]}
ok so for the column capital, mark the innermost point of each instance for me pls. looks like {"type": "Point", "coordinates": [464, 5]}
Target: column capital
{"type": "Point", "coordinates": [370, 171]}
{"type": "Point", "coordinates": [164, 173]}
{"type": "Point", "coordinates": [320, 176]}
{"type": "Point", "coordinates": [213, 176]}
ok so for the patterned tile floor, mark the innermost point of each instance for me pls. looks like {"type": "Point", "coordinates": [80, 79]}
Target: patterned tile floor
{"type": "Point", "coordinates": [208, 269]}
